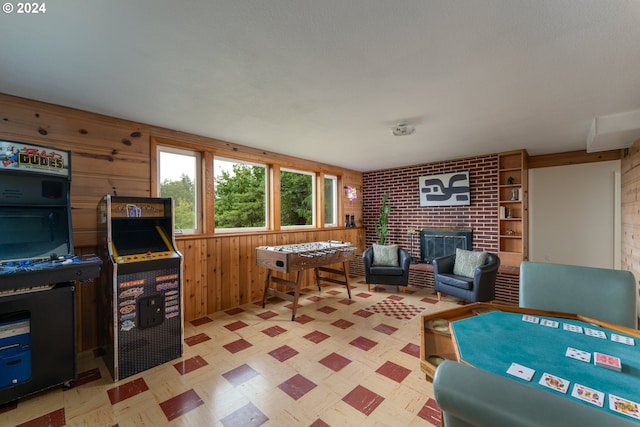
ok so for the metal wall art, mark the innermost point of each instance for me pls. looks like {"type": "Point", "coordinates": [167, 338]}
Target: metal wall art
{"type": "Point", "coordinates": [448, 189]}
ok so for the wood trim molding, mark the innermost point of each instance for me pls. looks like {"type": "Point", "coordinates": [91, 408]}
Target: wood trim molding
{"type": "Point", "coordinates": [572, 158]}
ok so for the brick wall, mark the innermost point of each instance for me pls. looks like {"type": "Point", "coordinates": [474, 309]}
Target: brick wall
{"type": "Point", "coordinates": [481, 215]}
{"type": "Point", "coordinates": [403, 187]}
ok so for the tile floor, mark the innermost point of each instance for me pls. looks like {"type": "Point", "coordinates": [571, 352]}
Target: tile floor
{"type": "Point", "coordinates": [340, 363]}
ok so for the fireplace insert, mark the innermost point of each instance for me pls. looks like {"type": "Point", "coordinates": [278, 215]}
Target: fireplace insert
{"type": "Point", "coordinates": [437, 242]}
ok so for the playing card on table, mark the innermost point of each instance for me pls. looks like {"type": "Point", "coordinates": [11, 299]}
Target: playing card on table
{"type": "Point", "coordinates": [595, 333]}
{"type": "Point", "coordinates": [549, 323]}
{"type": "Point", "coordinates": [588, 395]}
{"type": "Point", "coordinates": [581, 355]}
{"type": "Point", "coordinates": [530, 319]}
{"type": "Point", "coordinates": [624, 406]}
{"type": "Point", "coordinates": [573, 328]}
{"type": "Point", "coordinates": [555, 383]}
{"type": "Point", "coordinates": [521, 371]}
{"type": "Point", "coordinates": [622, 339]}
{"type": "Point", "coordinates": [607, 361]}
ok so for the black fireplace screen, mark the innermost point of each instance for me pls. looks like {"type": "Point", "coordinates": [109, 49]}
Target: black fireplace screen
{"type": "Point", "coordinates": [435, 243]}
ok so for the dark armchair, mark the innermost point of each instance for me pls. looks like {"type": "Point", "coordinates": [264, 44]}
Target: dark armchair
{"type": "Point", "coordinates": [478, 285]}
{"type": "Point", "coordinates": [396, 273]}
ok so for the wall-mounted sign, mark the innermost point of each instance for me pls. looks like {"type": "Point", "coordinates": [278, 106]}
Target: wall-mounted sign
{"type": "Point", "coordinates": [17, 156]}
{"type": "Point", "coordinates": [447, 189]}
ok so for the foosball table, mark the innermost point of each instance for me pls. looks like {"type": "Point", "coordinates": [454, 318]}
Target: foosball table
{"type": "Point", "coordinates": [298, 258]}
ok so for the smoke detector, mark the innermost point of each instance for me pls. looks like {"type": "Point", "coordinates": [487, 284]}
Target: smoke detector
{"type": "Point", "coordinates": [402, 129]}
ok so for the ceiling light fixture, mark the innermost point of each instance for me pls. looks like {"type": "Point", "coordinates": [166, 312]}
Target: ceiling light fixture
{"type": "Point", "coordinates": [402, 129]}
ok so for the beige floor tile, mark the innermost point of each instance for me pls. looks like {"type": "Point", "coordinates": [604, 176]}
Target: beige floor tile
{"type": "Point", "coordinates": [228, 386]}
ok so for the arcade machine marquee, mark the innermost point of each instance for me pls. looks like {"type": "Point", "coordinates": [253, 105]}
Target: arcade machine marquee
{"type": "Point", "coordinates": [38, 270]}
{"type": "Point", "coordinates": [143, 294]}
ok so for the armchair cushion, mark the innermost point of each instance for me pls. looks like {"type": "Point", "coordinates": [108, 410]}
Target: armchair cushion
{"type": "Point", "coordinates": [386, 270]}
{"type": "Point", "coordinates": [386, 255]}
{"type": "Point", "coordinates": [467, 261]}
{"type": "Point", "coordinates": [457, 281]}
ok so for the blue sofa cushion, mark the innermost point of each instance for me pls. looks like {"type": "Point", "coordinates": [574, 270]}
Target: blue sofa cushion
{"type": "Point", "coordinates": [455, 280]}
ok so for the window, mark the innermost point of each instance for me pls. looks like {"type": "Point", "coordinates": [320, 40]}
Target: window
{"type": "Point", "coordinates": [297, 198]}
{"type": "Point", "coordinates": [330, 200]}
{"type": "Point", "coordinates": [240, 190]}
{"type": "Point", "coordinates": [178, 176]}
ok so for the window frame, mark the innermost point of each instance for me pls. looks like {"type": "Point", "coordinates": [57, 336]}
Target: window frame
{"type": "Point", "coordinates": [266, 195]}
{"type": "Point", "coordinates": [205, 192]}
{"type": "Point", "coordinates": [197, 182]}
{"type": "Point", "coordinates": [314, 194]}
{"type": "Point", "coordinates": [334, 196]}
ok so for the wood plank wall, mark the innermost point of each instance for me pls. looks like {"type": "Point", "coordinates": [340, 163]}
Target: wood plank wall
{"type": "Point", "coordinates": [630, 214]}
{"type": "Point", "coordinates": [114, 156]}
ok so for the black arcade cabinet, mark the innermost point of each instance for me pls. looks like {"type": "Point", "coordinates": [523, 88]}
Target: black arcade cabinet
{"type": "Point", "coordinates": [142, 297]}
{"type": "Point", "coordinates": [38, 271]}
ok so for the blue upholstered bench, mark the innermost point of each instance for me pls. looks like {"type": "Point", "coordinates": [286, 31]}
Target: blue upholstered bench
{"type": "Point", "coordinates": [601, 293]}
{"type": "Point", "coordinates": [470, 397]}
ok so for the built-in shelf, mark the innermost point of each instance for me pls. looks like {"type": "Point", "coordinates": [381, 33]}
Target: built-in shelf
{"type": "Point", "coordinates": [512, 207]}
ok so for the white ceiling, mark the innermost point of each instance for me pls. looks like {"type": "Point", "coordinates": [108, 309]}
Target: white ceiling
{"type": "Point", "coordinates": [327, 79]}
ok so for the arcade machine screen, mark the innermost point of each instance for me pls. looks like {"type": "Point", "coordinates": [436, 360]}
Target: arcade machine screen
{"type": "Point", "coordinates": [137, 237]}
{"type": "Point", "coordinates": [33, 232]}
{"type": "Point", "coordinates": [34, 215]}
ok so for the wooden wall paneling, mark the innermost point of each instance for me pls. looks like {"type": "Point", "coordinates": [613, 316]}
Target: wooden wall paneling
{"type": "Point", "coordinates": [114, 156]}
{"type": "Point", "coordinates": [572, 158]}
{"type": "Point", "coordinates": [348, 207]}
{"type": "Point", "coordinates": [86, 315]}
{"type": "Point", "coordinates": [214, 290]}
{"type": "Point", "coordinates": [86, 188]}
{"type": "Point", "coordinates": [84, 218]}
{"type": "Point", "coordinates": [134, 167]}
{"type": "Point", "coordinates": [233, 278]}
{"type": "Point", "coordinates": [254, 282]}
{"type": "Point", "coordinates": [193, 278]}
{"type": "Point", "coordinates": [42, 123]}
{"type": "Point", "coordinates": [630, 214]}
{"type": "Point", "coordinates": [241, 268]}
{"type": "Point", "coordinates": [224, 259]}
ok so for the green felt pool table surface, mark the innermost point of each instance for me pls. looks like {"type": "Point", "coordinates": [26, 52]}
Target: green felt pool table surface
{"type": "Point", "coordinates": [494, 340]}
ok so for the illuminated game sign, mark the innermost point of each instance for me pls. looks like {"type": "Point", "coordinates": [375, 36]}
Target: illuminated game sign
{"type": "Point", "coordinates": [16, 156]}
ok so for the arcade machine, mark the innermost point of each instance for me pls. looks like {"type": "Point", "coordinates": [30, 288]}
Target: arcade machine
{"type": "Point", "coordinates": [38, 271]}
{"type": "Point", "coordinates": [143, 294]}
